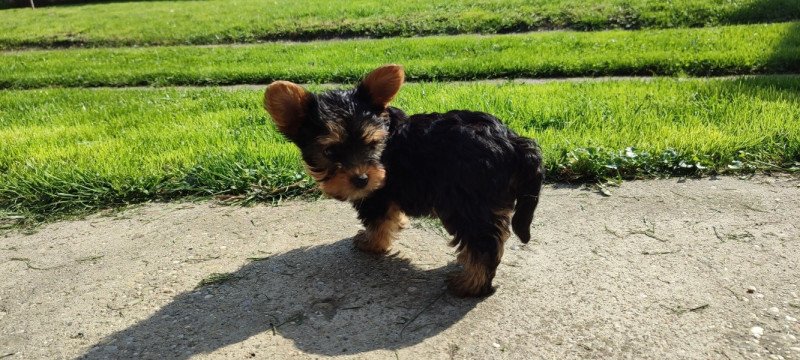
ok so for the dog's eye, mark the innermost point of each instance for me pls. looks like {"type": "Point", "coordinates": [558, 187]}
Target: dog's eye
{"type": "Point", "coordinates": [328, 152]}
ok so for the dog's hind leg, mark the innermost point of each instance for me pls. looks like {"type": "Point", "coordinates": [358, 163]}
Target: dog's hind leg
{"type": "Point", "coordinates": [480, 247]}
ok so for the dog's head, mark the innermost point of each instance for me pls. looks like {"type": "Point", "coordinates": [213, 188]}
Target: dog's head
{"type": "Point", "coordinates": [341, 133]}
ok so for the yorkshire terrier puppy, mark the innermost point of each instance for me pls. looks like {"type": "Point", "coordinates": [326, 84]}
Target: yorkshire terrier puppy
{"type": "Point", "coordinates": [464, 167]}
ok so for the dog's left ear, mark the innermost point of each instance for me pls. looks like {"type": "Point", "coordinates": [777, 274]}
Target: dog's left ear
{"type": "Point", "coordinates": [382, 84]}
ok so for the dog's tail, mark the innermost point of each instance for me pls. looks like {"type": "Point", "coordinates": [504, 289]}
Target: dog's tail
{"type": "Point", "coordinates": [528, 183]}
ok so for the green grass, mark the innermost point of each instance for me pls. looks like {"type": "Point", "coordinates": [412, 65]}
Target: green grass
{"type": "Point", "coordinates": [741, 49]}
{"type": "Point", "coordinates": [225, 21]}
{"type": "Point", "coordinates": [217, 279]}
{"type": "Point", "coordinates": [74, 150]}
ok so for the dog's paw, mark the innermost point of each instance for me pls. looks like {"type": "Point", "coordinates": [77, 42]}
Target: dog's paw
{"type": "Point", "coordinates": [403, 222]}
{"type": "Point", "coordinates": [367, 245]}
{"type": "Point", "coordinates": [462, 284]}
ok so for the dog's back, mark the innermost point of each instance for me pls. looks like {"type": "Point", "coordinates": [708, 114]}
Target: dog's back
{"type": "Point", "coordinates": [451, 162]}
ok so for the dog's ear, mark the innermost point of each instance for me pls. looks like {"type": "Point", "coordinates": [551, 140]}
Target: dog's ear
{"type": "Point", "coordinates": [287, 103]}
{"type": "Point", "coordinates": [382, 84]}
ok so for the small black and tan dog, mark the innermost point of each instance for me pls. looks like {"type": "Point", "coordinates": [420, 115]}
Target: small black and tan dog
{"type": "Point", "coordinates": [464, 167]}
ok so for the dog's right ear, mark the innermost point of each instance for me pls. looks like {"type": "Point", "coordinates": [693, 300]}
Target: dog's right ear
{"type": "Point", "coordinates": [287, 103]}
{"type": "Point", "coordinates": [382, 84]}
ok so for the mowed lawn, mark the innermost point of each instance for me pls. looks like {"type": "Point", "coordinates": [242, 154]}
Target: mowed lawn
{"type": "Point", "coordinates": [225, 21]}
{"type": "Point", "coordinates": [72, 150]}
{"type": "Point", "coordinates": [726, 50]}
{"type": "Point", "coordinates": [69, 149]}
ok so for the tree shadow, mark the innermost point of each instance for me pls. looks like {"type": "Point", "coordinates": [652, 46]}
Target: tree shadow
{"type": "Point", "coordinates": [765, 11]}
{"type": "Point", "coordinates": [328, 299]}
{"type": "Point", "coordinates": [784, 86]}
{"type": "Point", "coordinates": [783, 58]}
{"type": "Point", "coordinates": [782, 61]}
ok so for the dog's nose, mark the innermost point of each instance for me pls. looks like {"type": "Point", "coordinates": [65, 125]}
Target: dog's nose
{"type": "Point", "coordinates": [360, 180]}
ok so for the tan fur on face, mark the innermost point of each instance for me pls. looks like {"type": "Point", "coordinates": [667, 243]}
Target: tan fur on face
{"type": "Point", "coordinates": [286, 103]}
{"type": "Point", "coordinates": [383, 83]}
{"type": "Point", "coordinates": [378, 238]}
{"type": "Point", "coordinates": [336, 135]}
{"type": "Point", "coordinates": [374, 135]}
{"type": "Point", "coordinates": [377, 177]}
{"type": "Point", "coordinates": [338, 185]}
{"type": "Point", "coordinates": [317, 175]}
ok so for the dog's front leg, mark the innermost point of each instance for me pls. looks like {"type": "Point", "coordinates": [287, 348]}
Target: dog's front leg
{"type": "Point", "coordinates": [382, 220]}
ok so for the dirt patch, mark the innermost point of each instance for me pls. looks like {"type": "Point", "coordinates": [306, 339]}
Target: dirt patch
{"type": "Point", "coordinates": [659, 269]}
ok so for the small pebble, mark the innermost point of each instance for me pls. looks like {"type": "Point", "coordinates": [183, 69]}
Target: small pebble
{"type": "Point", "coordinates": [789, 318]}
{"type": "Point", "coordinates": [774, 311]}
{"type": "Point", "coordinates": [751, 289]}
{"type": "Point", "coordinates": [760, 295]}
{"type": "Point", "coordinates": [496, 345]}
{"type": "Point", "coordinates": [796, 349]}
{"type": "Point", "coordinates": [209, 296]}
{"type": "Point", "coordinates": [757, 331]}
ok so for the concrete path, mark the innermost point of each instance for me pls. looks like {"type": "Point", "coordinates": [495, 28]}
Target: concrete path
{"type": "Point", "coordinates": [692, 269]}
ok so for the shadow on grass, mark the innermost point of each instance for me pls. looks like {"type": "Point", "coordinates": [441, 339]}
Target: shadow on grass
{"type": "Point", "coordinates": [784, 87]}
{"type": "Point", "coordinates": [328, 299]}
{"type": "Point", "coordinates": [765, 11]}
{"type": "Point", "coordinates": [782, 59]}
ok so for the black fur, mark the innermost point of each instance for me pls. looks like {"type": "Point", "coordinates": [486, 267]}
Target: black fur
{"type": "Point", "coordinates": [460, 166]}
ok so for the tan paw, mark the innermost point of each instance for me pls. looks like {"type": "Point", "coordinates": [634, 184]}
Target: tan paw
{"type": "Point", "coordinates": [365, 244]}
{"type": "Point", "coordinates": [403, 222]}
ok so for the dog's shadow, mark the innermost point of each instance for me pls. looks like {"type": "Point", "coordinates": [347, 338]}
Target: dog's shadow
{"type": "Point", "coordinates": [328, 299]}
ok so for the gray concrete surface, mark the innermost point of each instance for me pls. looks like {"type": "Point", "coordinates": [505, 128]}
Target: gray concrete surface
{"type": "Point", "coordinates": [664, 269]}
